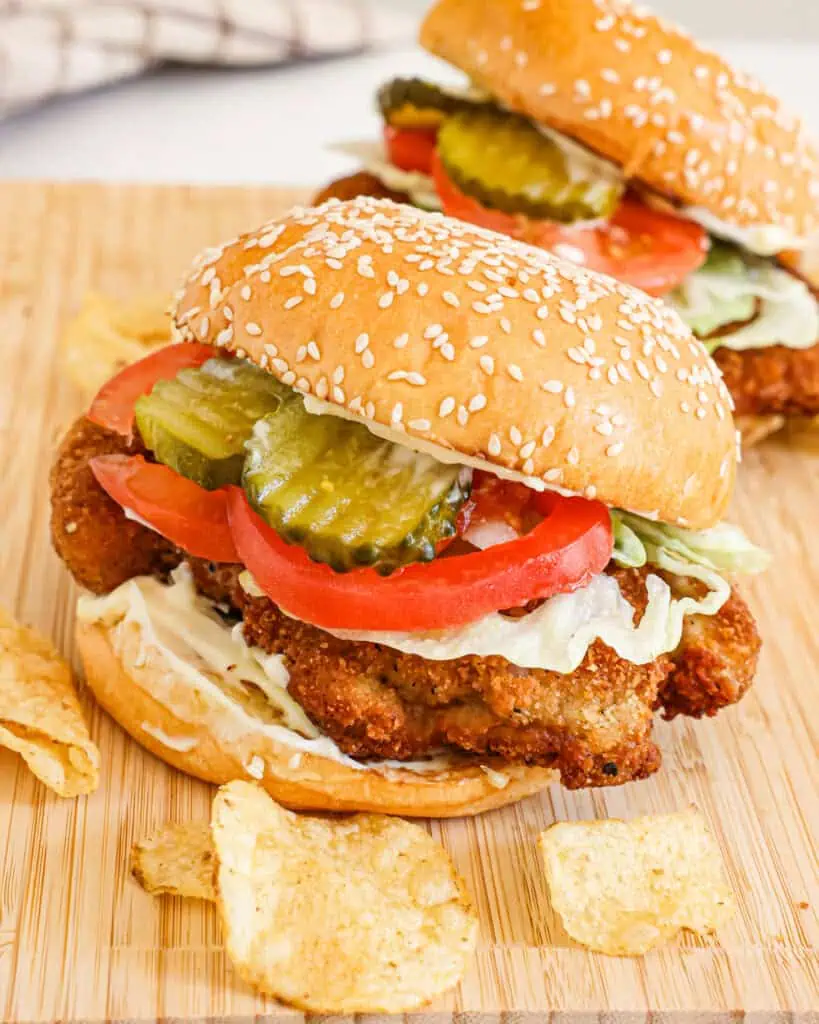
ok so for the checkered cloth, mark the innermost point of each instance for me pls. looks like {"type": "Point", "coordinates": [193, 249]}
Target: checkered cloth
{"type": "Point", "coordinates": [50, 47]}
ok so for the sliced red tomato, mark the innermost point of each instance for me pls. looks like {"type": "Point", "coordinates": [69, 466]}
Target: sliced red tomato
{"type": "Point", "coordinates": [411, 149]}
{"type": "Point", "coordinates": [185, 513]}
{"type": "Point", "coordinates": [571, 544]}
{"type": "Point", "coordinates": [113, 406]}
{"type": "Point", "coordinates": [652, 250]}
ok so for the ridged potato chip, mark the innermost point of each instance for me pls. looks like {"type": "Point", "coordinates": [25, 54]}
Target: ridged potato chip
{"type": "Point", "coordinates": [107, 334]}
{"type": "Point", "coordinates": [624, 887]}
{"type": "Point", "coordinates": [177, 860]}
{"type": "Point", "coordinates": [40, 715]}
{"type": "Point", "coordinates": [337, 915]}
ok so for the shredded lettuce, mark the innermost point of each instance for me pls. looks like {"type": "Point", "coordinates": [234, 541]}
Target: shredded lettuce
{"type": "Point", "coordinates": [723, 548]}
{"type": "Point", "coordinates": [557, 635]}
{"type": "Point", "coordinates": [732, 286]}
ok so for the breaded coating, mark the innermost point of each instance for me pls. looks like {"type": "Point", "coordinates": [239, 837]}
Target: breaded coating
{"type": "Point", "coordinates": [361, 184]}
{"type": "Point", "coordinates": [717, 658]}
{"type": "Point", "coordinates": [592, 725]}
{"type": "Point", "coordinates": [772, 380]}
{"type": "Point", "coordinates": [89, 531]}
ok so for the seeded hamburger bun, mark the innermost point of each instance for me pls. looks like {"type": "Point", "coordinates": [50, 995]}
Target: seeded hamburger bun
{"type": "Point", "coordinates": [479, 345]}
{"type": "Point", "coordinates": [219, 747]}
{"type": "Point", "coordinates": [643, 94]}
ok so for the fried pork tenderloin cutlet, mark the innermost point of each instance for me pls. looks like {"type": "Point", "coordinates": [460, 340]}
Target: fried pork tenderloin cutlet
{"type": "Point", "coordinates": [593, 725]}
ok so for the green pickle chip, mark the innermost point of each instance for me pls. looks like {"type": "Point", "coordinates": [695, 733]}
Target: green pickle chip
{"type": "Point", "coordinates": [502, 160]}
{"type": "Point", "coordinates": [348, 497]}
{"type": "Point", "coordinates": [198, 422]}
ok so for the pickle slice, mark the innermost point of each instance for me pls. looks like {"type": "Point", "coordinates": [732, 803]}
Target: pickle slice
{"type": "Point", "coordinates": [502, 160]}
{"type": "Point", "coordinates": [415, 103]}
{"type": "Point", "coordinates": [348, 497]}
{"type": "Point", "coordinates": [198, 422]}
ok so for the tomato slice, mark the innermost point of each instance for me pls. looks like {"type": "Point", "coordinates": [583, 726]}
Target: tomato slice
{"type": "Point", "coordinates": [570, 545]}
{"type": "Point", "coordinates": [113, 406]}
{"type": "Point", "coordinates": [411, 149]}
{"type": "Point", "coordinates": [185, 513]}
{"type": "Point", "coordinates": [651, 250]}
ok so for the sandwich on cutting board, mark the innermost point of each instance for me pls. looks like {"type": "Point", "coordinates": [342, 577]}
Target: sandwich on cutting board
{"type": "Point", "coordinates": [596, 129]}
{"type": "Point", "coordinates": [413, 518]}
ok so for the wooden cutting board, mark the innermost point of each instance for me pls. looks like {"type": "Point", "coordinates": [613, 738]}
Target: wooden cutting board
{"type": "Point", "coordinates": [80, 941]}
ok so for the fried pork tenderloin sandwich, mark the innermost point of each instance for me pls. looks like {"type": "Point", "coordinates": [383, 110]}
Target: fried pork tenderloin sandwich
{"type": "Point", "coordinates": [597, 130]}
{"type": "Point", "coordinates": [414, 518]}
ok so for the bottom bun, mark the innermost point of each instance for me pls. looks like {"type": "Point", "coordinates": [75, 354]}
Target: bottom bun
{"type": "Point", "coordinates": [206, 743]}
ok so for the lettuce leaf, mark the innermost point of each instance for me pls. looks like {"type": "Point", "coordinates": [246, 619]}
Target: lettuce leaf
{"type": "Point", "coordinates": [732, 286]}
{"type": "Point", "coordinates": [723, 548]}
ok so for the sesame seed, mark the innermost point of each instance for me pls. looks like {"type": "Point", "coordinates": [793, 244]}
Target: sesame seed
{"type": "Point", "coordinates": [548, 436]}
{"type": "Point", "coordinates": [419, 425]}
{"type": "Point", "coordinates": [477, 402]}
{"type": "Point", "coordinates": [505, 325]}
{"type": "Point", "coordinates": [447, 406]}
{"type": "Point", "coordinates": [462, 415]}
{"type": "Point", "coordinates": [361, 342]}
{"type": "Point", "coordinates": [487, 364]}
{"type": "Point", "coordinates": [367, 359]}
{"type": "Point", "coordinates": [225, 336]}
{"type": "Point", "coordinates": [554, 387]}
{"type": "Point", "coordinates": [313, 350]}
{"type": "Point", "coordinates": [514, 371]}
{"type": "Point", "coordinates": [204, 327]}
{"type": "Point", "coordinates": [433, 331]}
{"type": "Point", "coordinates": [397, 413]}
{"type": "Point", "coordinates": [527, 449]}
{"type": "Point", "coordinates": [479, 341]}
{"type": "Point", "coordinates": [494, 445]}
{"type": "Point", "coordinates": [539, 337]}
{"type": "Point", "coordinates": [568, 398]}
{"type": "Point", "coordinates": [515, 436]}
{"type": "Point", "coordinates": [553, 475]}
{"type": "Point", "coordinates": [293, 301]}
{"type": "Point", "coordinates": [422, 288]}
{"type": "Point", "coordinates": [656, 387]}
{"type": "Point", "coordinates": [401, 341]}
{"type": "Point", "coordinates": [573, 456]}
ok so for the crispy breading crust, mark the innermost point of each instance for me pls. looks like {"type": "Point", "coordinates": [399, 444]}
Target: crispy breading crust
{"type": "Point", "coordinates": [361, 184]}
{"type": "Point", "coordinates": [89, 531]}
{"type": "Point", "coordinates": [772, 380]}
{"type": "Point", "coordinates": [593, 725]}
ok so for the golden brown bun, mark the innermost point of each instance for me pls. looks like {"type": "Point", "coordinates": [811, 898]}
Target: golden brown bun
{"type": "Point", "coordinates": [225, 747]}
{"type": "Point", "coordinates": [474, 342]}
{"type": "Point", "coordinates": [643, 94]}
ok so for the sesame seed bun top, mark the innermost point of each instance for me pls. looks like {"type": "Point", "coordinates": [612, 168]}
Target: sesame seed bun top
{"type": "Point", "coordinates": [473, 342]}
{"type": "Point", "coordinates": [642, 93]}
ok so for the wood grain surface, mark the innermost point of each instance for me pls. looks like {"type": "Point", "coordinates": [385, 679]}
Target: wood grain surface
{"type": "Point", "coordinates": [80, 941]}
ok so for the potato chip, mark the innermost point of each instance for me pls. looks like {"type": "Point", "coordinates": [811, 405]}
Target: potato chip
{"type": "Point", "coordinates": [623, 887]}
{"type": "Point", "coordinates": [337, 915]}
{"type": "Point", "coordinates": [40, 715]}
{"type": "Point", "coordinates": [176, 859]}
{"type": "Point", "coordinates": [107, 335]}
